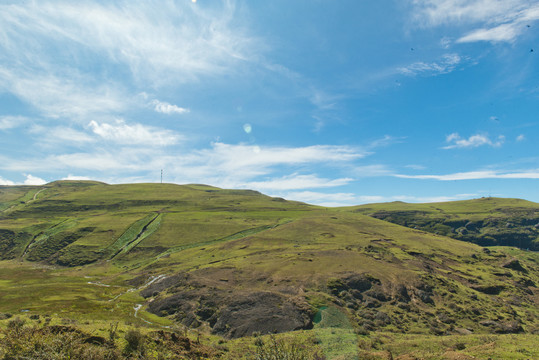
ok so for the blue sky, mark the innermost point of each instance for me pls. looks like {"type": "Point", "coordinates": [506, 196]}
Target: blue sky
{"type": "Point", "coordinates": [332, 102]}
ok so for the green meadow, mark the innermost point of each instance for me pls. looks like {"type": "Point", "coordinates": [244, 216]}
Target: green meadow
{"type": "Point", "coordinates": [241, 275]}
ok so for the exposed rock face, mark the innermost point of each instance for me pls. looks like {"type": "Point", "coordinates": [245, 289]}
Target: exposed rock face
{"type": "Point", "coordinates": [262, 312]}
{"type": "Point", "coordinates": [227, 313]}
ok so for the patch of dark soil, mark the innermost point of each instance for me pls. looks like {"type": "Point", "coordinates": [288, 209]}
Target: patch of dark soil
{"type": "Point", "coordinates": [180, 303]}
{"type": "Point", "coordinates": [515, 265]}
{"type": "Point", "coordinates": [358, 282]}
{"type": "Point", "coordinates": [401, 293]}
{"type": "Point", "coordinates": [511, 327]}
{"type": "Point", "coordinates": [95, 340]}
{"type": "Point", "coordinates": [489, 289]}
{"type": "Point", "coordinates": [261, 312]}
{"type": "Point", "coordinates": [4, 316]}
{"type": "Point", "coordinates": [526, 282]}
{"type": "Point", "coordinates": [168, 282]}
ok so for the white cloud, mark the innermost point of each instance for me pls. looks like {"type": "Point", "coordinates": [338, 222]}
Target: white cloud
{"type": "Point", "coordinates": [501, 20]}
{"type": "Point", "coordinates": [68, 59]}
{"type": "Point", "coordinates": [254, 160]}
{"type": "Point", "coordinates": [163, 42]}
{"type": "Point", "coordinates": [295, 182]}
{"type": "Point", "coordinates": [75, 177]}
{"type": "Point", "coordinates": [10, 122]}
{"type": "Point", "coordinates": [224, 165]}
{"type": "Point", "coordinates": [521, 137]}
{"type": "Point", "coordinates": [414, 199]}
{"type": "Point", "coordinates": [415, 167]}
{"type": "Point", "coordinates": [446, 64]}
{"type": "Point", "coordinates": [60, 135]}
{"type": "Point", "coordinates": [387, 140]}
{"type": "Point", "coordinates": [29, 180]}
{"type": "Point", "coordinates": [322, 199]}
{"type": "Point", "coordinates": [504, 32]}
{"type": "Point", "coordinates": [476, 175]}
{"type": "Point", "coordinates": [123, 133]}
{"type": "Point", "coordinates": [371, 171]}
{"type": "Point", "coordinates": [473, 141]}
{"type": "Point", "coordinates": [439, 12]}
{"type": "Point", "coordinates": [350, 199]}
{"type": "Point", "coordinates": [62, 97]}
{"type": "Point", "coordinates": [33, 180]}
{"type": "Point", "coordinates": [6, 182]}
{"type": "Point", "coordinates": [166, 108]}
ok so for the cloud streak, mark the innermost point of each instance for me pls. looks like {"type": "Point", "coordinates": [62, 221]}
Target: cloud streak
{"type": "Point", "coordinates": [477, 175]}
{"type": "Point", "coordinates": [500, 20]}
{"type": "Point", "coordinates": [225, 165]}
{"type": "Point", "coordinates": [296, 181]}
{"type": "Point", "coordinates": [122, 133]}
{"type": "Point", "coordinates": [52, 52]}
{"type": "Point", "coordinates": [166, 108]}
{"type": "Point", "coordinates": [457, 142]}
{"type": "Point", "coordinates": [446, 64]}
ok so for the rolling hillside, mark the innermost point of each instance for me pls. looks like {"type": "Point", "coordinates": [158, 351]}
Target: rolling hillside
{"type": "Point", "coordinates": [236, 263]}
{"type": "Point", "coordinates": [486, 221]}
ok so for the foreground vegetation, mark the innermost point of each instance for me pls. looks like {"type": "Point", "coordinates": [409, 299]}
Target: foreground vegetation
{"type": "Point", "coordinates": [200, 272]}
{"type": "Point", "coordinates": [25, 338]}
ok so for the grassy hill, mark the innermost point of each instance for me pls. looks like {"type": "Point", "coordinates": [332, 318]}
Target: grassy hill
{"type": "Point", "coordinates": [236, 263]}
{"type": "Point", "coordinates": [486, 221]}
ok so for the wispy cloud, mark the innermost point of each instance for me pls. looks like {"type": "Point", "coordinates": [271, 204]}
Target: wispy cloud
{"type": "Point", "coordinates": [72, 97]}
{"type": "Point", "coordinates": [350, 199]}
{"type": "Point", "coordinates": [415, 199]}
{"type": "Point", "coordinates": [252, 159]}
{"type": "Point", "coordinates": [75, 177]}
{"type": "Point", "coordinates": [68, 59]}
{"type": "Point", "coordinates": [10, 122]}
{"type": "Point", "coordinates": [499, 20]}
{"type": "Point", "coordinates": [166, 108]}
{"type": "Point", "coordinates": [225, 165]}
{"type": "Point", "coordinates": [475, 175]}
{"type": "Point", "coordinates": [386, 140]}
{"type": "Point", "coordinates": [122, 133]}
{"type": "Point", "coordinates": [521, 137]}
{"type": "Point", "coordinates": [295, 182]}
{"type": "Point", "coordinates": [363, 171]}
{"type": "Point", "coordinates": [60, 135]}
{"type": "Point", "coordinates": [322, 199]}
{"type": "Point", "coordinates": [504, 32]}
{"type": "Point", "coordinates": [457, 142]}
{"type": "Point", "coordinates": [446, 64]}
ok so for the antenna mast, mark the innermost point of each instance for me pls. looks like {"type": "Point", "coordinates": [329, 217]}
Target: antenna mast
{"type": "Point", "coordinates": [161, 176]}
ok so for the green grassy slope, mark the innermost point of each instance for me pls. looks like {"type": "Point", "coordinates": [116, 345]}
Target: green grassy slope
{"type": "Point", "coordinates": [485, 221]}
{"type": "Point", "coordinates": [232, 263]}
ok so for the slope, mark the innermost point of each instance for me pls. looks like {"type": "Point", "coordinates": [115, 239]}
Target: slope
{"type": "Point", "coordinates": [236, 262]}
{"type": "Point", "coordinates": [485, 221]}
